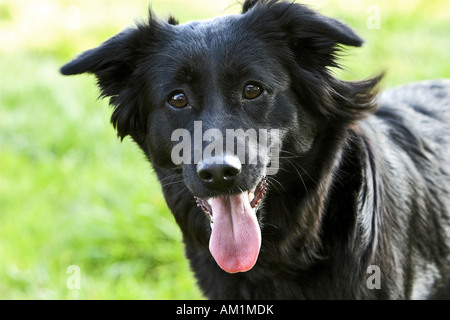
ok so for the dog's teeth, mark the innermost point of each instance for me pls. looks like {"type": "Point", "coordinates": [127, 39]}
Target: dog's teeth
{"type": "Point", "coordinates": [251, 196]}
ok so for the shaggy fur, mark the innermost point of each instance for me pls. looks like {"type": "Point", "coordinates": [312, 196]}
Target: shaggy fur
{"type": "Point", "coordinates": [363, 179]}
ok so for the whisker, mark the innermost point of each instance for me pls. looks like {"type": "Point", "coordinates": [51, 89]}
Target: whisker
{"type": "Point", "coordinates": [170, 177]}
{"type": "Point", "coordinates": [298, 172]}
{"type": "Point", "coordinates": [271, 183]}
{"type": "Point", "coordinates": [171, 183]}
{"type": "Point", "coordinates": [315, 182]}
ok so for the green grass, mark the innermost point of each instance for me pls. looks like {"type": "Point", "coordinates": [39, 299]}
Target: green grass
{"type": "Point", "coordinates": [72, 194]}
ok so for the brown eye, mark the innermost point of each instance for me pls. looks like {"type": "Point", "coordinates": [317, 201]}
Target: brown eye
{"type": "Point", "coordinates": [252, 91]}
{"type": "Point", "coordinates": [178, 100]}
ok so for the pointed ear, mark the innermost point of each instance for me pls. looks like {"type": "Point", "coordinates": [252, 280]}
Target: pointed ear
{"type": "Point", "coordinates": [310, 35]}
{"type": "Point", "coordinates": [248, 4]}
{"type": "Point", "coordinates": [309, 43]}
{"type": "Point", "coordinates": [315, 42]}
{"type": "Point", "coordinates": [311, 24]}
{"type": "Point", "coordinates": [114, 64]}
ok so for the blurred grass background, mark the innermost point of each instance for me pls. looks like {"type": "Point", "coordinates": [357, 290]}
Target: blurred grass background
{"type": "Point", "coordinates": [72, 194]}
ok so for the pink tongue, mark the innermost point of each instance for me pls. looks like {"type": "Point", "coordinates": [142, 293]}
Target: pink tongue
{"type": "Point", "coordinates": [236, 237]}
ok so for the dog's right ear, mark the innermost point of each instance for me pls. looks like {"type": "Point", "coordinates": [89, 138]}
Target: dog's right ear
{"type": "Point", "coordinates": [112, 63]}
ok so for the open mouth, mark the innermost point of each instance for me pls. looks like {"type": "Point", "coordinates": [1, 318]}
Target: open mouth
{"type": "Point", "coordinates": [236, 236]}
{"type": "Point", "coordinates": [254, 197]}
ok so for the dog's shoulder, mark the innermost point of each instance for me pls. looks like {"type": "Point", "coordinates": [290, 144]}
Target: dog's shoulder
{"type": "Point", "coordinates": [417, 111]}
{"type": "Point", "coordinates": [430, 98]}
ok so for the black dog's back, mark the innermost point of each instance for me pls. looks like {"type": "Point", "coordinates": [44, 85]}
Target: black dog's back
{"type": "Point", "coordinates": [358, 204]}
{"type": "Point", "coordinates": [409, 136]}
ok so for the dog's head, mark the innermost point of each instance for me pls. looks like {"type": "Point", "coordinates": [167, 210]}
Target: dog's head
{"type": "Point", "coordinates": [216, 101]}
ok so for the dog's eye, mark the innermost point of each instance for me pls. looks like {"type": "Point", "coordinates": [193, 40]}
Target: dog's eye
{"type": "Point", "coordinates": [178, 100]}
{"type": "Point", "coordinates": [252, 91]}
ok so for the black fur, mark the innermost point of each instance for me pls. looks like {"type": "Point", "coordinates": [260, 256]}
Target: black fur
{"type": "Point", "coordinates": [363, 180]}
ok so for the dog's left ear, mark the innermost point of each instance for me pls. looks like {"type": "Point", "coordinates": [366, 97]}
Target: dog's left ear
{"type": "Point", "coordinates": [314, 41]}
{"type": "Point", "coordinates": [305, 23]}
{"type": "Point", "coordinates": [310, 35]}
{"type": "Point", "coordinates": [248, 4]}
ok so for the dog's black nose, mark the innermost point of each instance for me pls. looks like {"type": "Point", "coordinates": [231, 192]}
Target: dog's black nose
{"type": "Point", "coordinates": [219, 172]}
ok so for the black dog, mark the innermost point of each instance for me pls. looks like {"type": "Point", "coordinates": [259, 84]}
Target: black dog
{"type": "Point", "coordinates": [349, 194]}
